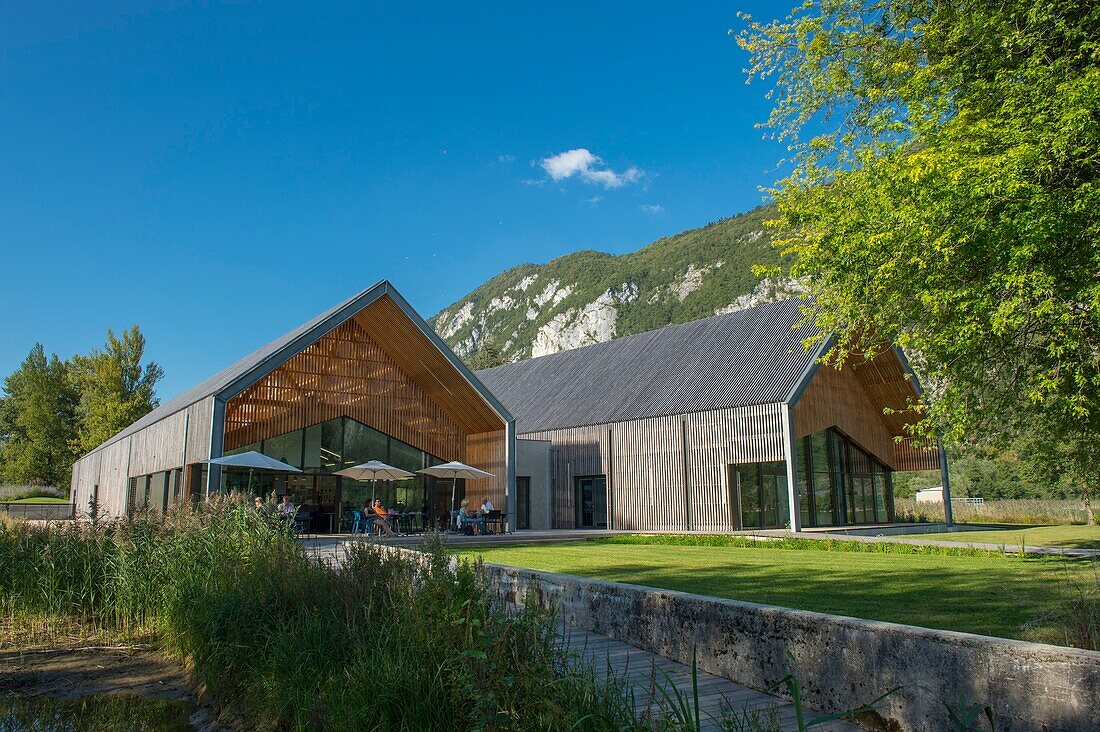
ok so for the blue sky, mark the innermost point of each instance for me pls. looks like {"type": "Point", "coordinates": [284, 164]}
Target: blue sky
{"type": "Point", "coordinates": [220, 172]}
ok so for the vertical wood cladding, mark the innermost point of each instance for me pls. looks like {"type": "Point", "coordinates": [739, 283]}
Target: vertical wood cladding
{"type": "Point", "coordinates": [159, 446]}
{"type": "Point", "coordinates": [853, 399]}
{"type": "Point", "coordinates": [345, 373]}
{"type": "Point", "coordinates": [486, 450]}
{"type": "Point", "coordinates": [199, 415]}
{"type": "Point", "coordinates": [645, 465]}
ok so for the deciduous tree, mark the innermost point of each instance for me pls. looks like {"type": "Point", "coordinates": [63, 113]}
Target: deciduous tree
{"type": "Point", "coordinates": [943, 194]}
{"type": "Point", "coordinates": [38, 421]}
{"type": "Point", "coordinates": [115, 389]}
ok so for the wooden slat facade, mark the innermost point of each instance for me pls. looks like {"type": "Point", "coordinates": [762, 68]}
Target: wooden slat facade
{"type": "Point", "coordinates": [345, 373]}
{"type": "Point", "coordinates": [376, 367]}
{"type": "Point", "coordinates": [644, 463]}
{"type": "Point", "coordinates": [487, 450]}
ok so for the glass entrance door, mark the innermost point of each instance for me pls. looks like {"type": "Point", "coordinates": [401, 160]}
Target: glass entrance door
{"type": "Point", "coordinates": [592, 502]}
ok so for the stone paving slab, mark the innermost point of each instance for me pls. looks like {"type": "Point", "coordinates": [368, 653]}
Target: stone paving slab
{"type": "Point", "coordinates": [649, 673]}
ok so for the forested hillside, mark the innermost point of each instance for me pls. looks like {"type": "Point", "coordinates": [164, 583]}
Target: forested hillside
{"type": "Point", "coordinates": [589, 297]}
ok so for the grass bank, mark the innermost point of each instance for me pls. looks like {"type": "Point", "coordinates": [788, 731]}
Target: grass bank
{"type": "Point", "coordinates": [1050, 600]}
{"type": "Point", "coordinates": [284, 643]}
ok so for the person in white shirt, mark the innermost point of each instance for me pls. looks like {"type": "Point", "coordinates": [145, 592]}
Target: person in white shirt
{"type": "Point", "coordinates": [286, 507]}
{"type": "Point", "coordinates": [487, 506]}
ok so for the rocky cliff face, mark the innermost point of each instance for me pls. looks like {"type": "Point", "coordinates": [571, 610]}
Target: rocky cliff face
{"type": "Point", "coordinates": [590, 297]}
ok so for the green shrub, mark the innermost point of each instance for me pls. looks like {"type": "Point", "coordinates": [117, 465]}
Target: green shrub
{"type": "Point", "coordinates": [19, 492]}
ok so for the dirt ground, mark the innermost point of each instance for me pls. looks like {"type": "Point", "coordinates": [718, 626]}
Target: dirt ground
{"type": "Point", "coordinates": [96, 671]}
{"type": "Point", "coordinates": [71, 673]}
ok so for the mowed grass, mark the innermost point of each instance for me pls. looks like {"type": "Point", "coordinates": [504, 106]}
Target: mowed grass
{"type": "Point", "coordinates": [39, 500]}
{"type": "Point", "coordinates": [1076, 537]}
{"type": "Point", "coordinates": [991, 595]}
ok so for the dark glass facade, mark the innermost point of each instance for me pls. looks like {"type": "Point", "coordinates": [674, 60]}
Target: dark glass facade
{"type": "Point", "coordinates": [761, 495]}
{"type": "Point", "coordinates": [322, 449]}
{"type": "Point", "coordinates": [839, 484]}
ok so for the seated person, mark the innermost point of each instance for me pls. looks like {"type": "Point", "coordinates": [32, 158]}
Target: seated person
{"type": "Point", "coordinates": [381, 516]}
{"type": "Point", "coordinates": [486, 507]}
{"type": "Point", "coordinates": [467, 518]}
{"type": "Point", "coordinates": [286, 507]}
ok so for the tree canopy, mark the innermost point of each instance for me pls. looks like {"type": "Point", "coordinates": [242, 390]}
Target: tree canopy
{"type": "Point", "coordinates": [38, 421]}
{"type": "Point", "coordinates": [487, 356]}
{"type": "Point", "coordinates": [115, 389]}
{"type": "Point", "coordinates": [51, 411]}
{"type": "Point", "coordinates": [943, 195]}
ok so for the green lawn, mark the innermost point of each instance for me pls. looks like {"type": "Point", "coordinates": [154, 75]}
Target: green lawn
{"type": "Point", "coordinates": [41, 500]}
{"type": "Point", "coordinates": [1078, 537]}
{"type": "Point", "coordinates": [990, 595]}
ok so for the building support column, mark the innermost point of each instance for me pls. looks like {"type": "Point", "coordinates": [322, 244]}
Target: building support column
{"type": "Point", "coordinates": [510, 476]}
{"type": "Point", "coordinates": [217, 445]}
{"type": "Point", "coordinates": [792, 467]}
{"type": "Point", "coordinates": [945, 481]}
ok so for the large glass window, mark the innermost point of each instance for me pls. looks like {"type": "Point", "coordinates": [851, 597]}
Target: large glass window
{"type": "Point", "coordinates": [849, 484]}
{"type": "Point", "coordinates": [330, 446]}
{"type": "Point", "coordinates": [286, 448]}
{"type": "Point", "coordinates": [762, 494]}
{"type": "Point", "coordinates": [361, 444]}
{"type": "Point", "coordinates": [824, 503]}
{"type": "Point", "coordinates": [324, 445]}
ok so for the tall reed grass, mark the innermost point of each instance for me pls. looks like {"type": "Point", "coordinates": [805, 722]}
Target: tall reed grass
{"type": "Point", "coordinates": [283, 642]}
{"type": "Point", "coordinates": [1008, 511]}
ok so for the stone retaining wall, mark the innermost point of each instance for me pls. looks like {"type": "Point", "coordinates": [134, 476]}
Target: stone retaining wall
{"type": "Point", "coordinates": [842, 662]}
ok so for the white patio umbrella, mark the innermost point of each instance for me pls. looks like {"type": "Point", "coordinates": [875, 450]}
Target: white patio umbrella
{"type": "Point", "coordinates": [253, 460]}
{"type": "Point", "coordinates": [372, 470]}
{"type": "Point", "coordinates": [454, 471]}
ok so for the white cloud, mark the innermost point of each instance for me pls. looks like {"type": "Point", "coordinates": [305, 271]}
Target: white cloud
{"type": "Point", "coordinates": [652, 208]}
{"type": "Point", "coordinates": [595, 200]}
{"type": "Point", "coordinates": [505, 159]}
{"type": "Point", "coordinates": [590, 168]}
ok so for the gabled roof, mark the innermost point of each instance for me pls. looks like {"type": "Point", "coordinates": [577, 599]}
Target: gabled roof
{"type": "Point", "coordinates": [747, 357]}
{"type": "Point", "coordinates": [235, 378]}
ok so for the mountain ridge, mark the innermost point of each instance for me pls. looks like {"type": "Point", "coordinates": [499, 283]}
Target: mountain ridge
{"type": "Point", "coordinates": [590, 296]}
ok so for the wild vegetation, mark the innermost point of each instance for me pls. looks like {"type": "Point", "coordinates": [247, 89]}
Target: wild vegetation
{"type": "Point", "coordinates": [284, 642]}
{"type": "Point", "coordinates": [1016, 511]}
{"type": "Point", "coordinates": [22, 492]}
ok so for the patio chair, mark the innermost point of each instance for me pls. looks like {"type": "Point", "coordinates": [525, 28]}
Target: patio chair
{"type": "Point", "coordinates": [301, 521]}
{"type": "Point", "coordinates": [495, 518]}
{"type": "Point", "coordinates": [359, 523]}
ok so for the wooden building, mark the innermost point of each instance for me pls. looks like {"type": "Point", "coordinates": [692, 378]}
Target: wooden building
{"type": "Point", "coordinates": [368, 379]}
{"type": "Point", "coordinates": [726, 423]}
